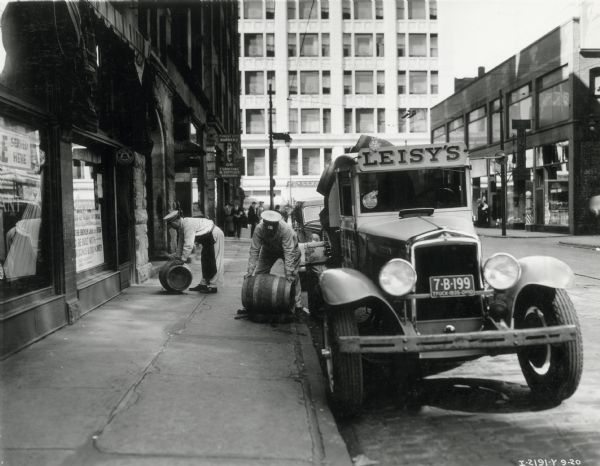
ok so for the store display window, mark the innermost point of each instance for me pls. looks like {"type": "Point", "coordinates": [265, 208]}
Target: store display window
{"type": "Point", "coordinates": [24, 233]}
{"type": "Point", "coordinates": [552, 184]}
{"type": "Point", "coordinates": [89, 209]}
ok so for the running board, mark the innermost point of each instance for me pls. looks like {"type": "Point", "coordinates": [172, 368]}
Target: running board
{"type": "Point", "coordinates": [486, 339]}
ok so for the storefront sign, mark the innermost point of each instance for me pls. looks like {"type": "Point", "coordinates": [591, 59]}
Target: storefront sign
{"type": "Point", "coordinates": [229, 170]}
{"type": "Point", "coordinates": [429, 156]}
{"type": "Point", "coordinates": [89, 250]}
{"type": "Point", "coordinates": [124, 156]}
{"type": "Point", "coordinates": [18, 150]}
{"type": "Point", "coordinates": [229, 138]}
{"type": "Point", "coordinates": [302, 184]}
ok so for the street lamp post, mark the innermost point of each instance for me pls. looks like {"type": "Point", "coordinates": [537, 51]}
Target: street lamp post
{"type": "Point", "coordinates": [278, 136]}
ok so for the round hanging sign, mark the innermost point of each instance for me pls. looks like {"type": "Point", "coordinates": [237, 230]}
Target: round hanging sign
{"type": "Point", "coordinates": [124, 156]}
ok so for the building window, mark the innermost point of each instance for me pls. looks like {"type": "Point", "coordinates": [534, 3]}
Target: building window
{"type": "Point", "coordinates": [381, 120]}
{"type": "Point", "coordinates": [307, 9]}
{"type": "Point", "coordinates": [477, 127]}
{"type": "Point", "coordinates": [380, 82]}
{"type": "Point", "coordinates": [270, 6]}
{"type": "Point", "coordinates": [347, 44]}
{"type": "Point", "coordinates": [270, 45]}
{"type": "Point", "coordinates": [324, 9]}
{"type": "Point", "coordinates": [495, 120]}
{"type": "Point", "coordinates": [346, 9]}
{"type": "Point", "coordinates": [401, 44]}
{"type": "Point", "coordinates": [519, 106]}
{"type": "Point", "coordinates": [293, 162]}
{"type": "Point", "coordinates": [347, 82]}
{"type": "Point", "coordinates": [417, 82]}
{"type": "Point", "coordinates": [325, 44]}
{"type": "Point", "coordinates": [401, 82]}
{"type": "Point", "coordinates": [327, 120]}
{"type": "Point", "coordinates": [432, 9]}
{"type": "Point", "coordinates": [326, 82]}
{"type": "Point", "coordinates": [256, 162]}
{"type": "Point", "coordinates": [418, 120]}
{"type": "Point", "coordinates": [327, 152]}
{"type": "Point", "coordinates": [402, 119]}
{"type": "Point", "coordinates": [255, 84]}
{"type": "Point", "coordinates": [553, 98]}
{"type": "Point", "coordinates": [255, 121]}
{"type": "Point", "coordinates": [347, 120]}
{"type": "Point", "coordinates": [433, 45]}
{"type": "Point", "coordinates": [291, 9]}
{"type": "Point", "coordinates": [293, 82]}
{"type": "Point", "coordinates": [439, 134]}
{"type": "Point", "coordinates": [434, 83]}
{"type": "Point", "coordinates": [311, 161]}
{"type": "Point", "coordinates": [417, 45]}
{"type": "Point", "coordinates": [456, 130]}
{"type": "Point", "coordinates": [309, 47]}
{"type": "Point", "coordinates": [253, 45]}
{"type": "Point", "coordinates": [292, 48]}
{"type": "Point", "coordinates": [364, 120]}
{"type": "Point", "coordinates": [363, 45]}
{"type": "Point", "coordinates": [400, 9]}
{"type": "Point", "coordinates": [253, 9]}
{"type": "Point", "coordinates": [416, 9]}
{"type": "Point", "coordinates": [378, 9]}
{"type": "Point", "coordinates": [271, 79]}
{"type": "Point", "coordinates": [309, 82]}
{"type": "Point", "coordinates": [293, 120]}
{"type": "Point", "coordinates": [363, 82]}
{"type": "Point", "coordinates": [363, 9]}
{"type": "Point", "coordinates": [25, 243]}
{"type": "Point", "coordinates": [552, 184]}
{"type": "Point", "coordinates": [309, 120]}
{"type": "Point", "coordinates": [379, 47]}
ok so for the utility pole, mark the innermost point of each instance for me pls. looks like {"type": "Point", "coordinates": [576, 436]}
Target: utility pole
{"type": "Point", "coordinates": [503, 160]}
{"type": "Point", "coordinates": [271, 179]}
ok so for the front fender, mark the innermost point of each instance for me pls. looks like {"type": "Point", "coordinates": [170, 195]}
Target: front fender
{"type": "Point", "coordinates": [345, 286]}
{"type": "Point", "coordinates": [544, 271]}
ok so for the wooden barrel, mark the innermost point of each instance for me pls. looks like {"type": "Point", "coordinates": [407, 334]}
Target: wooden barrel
{"type": "Point", "coordinates": [267, 294]}
{"type": "Point", "coordinates": [174, 276]}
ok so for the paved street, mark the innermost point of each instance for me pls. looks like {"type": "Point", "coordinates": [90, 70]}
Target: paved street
{"type": "Point", "coordinates": [481, 413]}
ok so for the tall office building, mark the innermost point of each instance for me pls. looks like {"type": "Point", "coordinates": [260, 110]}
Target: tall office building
{"type": "Point", "coordinates": [337, 69]}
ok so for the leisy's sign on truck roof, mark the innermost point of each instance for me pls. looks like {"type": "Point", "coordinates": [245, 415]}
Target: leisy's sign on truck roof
{"type": "Point", "coordinates": [411, 157]}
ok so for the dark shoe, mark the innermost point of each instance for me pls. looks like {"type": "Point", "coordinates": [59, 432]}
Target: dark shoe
{"type": "Point", "coordinates": [208, 289]}
{"type": "Point", "coordinates": [198, 287]}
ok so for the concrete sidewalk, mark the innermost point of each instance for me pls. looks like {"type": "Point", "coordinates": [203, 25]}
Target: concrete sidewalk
{"type": "Point", "coordinates": [152, 378]}
{"type": "Point", "coordinates": [585, 241]}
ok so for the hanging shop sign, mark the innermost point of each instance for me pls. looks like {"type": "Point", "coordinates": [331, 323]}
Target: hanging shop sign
{"type": "Point", "coordinates": [229, 170]}
{"type": "Point", "coordinates": [232, 138]}
{"type": "Point", "coordinates": [124, 156]}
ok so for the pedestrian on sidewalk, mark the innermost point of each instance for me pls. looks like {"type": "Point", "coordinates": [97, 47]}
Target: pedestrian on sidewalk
{"type": "Point", "coordinates": [204, 232]}
{"type": "Point", "coordinates": [253, 217]}
{"type": "Point", "coordinates": [274, 239]}
{"type": "Point", "coordinates": [239, 219]}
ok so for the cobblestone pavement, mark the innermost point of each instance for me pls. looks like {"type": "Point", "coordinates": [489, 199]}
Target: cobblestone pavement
{"type": "Point", "coordinates": [482, 412]}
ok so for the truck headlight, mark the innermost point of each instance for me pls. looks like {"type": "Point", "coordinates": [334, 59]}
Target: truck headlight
{"type": "Point", "coordinates": [501, 271]}
{"type": "Point", "coordinates": [397, 277]}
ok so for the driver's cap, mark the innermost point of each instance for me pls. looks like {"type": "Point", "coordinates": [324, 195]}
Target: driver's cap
{"type": "Point", "coordinates": [270, 216]}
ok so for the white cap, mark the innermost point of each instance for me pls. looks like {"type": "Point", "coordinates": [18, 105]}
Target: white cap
{"type": "Point", "coordinates": [173, 215]}
{"type": "Point", "coordinates": [270, 216]}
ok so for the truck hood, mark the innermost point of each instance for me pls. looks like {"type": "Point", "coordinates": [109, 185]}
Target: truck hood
{"type": "Point", "coordinates": [406, 229]}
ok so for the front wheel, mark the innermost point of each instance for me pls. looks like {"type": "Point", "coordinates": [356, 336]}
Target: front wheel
{"type": "Point", "coordinates": [551, 371]}
{"type": "Point", "coordinates": [344, 370]}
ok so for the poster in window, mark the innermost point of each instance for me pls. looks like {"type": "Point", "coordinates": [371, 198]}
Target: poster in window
{"type": "Point", "coordinates": [89, 249]}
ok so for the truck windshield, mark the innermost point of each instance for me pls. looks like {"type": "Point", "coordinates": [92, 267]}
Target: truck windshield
{"type": "Point", "coordinates": [391, 191]}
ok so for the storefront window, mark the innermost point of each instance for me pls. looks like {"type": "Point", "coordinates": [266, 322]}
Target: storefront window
{"type": "Point", "coordinates": [552, 184]}
{"type": "Point", "coordinates": [89, 208]}
{"type": "Point", "coordinates": [24, 259]}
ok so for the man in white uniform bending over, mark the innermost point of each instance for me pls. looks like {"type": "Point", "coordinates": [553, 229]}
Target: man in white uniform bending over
{"type": "Point", "coordinates": [204, 232]}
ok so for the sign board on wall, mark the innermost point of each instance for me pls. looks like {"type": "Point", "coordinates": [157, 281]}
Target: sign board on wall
{"type": "Point", "coordinates": [19, 150]}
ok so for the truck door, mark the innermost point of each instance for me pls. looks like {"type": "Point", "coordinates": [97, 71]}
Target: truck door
{"type": "Point", "coordinates": [348, 222]}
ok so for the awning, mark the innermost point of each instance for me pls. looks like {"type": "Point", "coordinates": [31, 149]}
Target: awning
{"type": "Point", "coordinates": [188, 154]}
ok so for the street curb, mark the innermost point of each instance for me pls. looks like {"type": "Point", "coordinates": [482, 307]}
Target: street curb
{"type": "Point", "coordinates": [581, 246]}
{"type": "Point", "coordinates": [335, 451]}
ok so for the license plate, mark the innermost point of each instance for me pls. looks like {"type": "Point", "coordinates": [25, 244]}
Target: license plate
{"type": "Point", "coordinates": [451, 285]}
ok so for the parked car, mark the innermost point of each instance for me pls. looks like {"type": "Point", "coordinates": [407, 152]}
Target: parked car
{"type": "Point", "coordinates": [411, 291]}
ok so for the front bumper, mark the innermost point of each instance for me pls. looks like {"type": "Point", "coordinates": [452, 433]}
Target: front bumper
{"type": "Point", "coordinates": [496, 341]}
